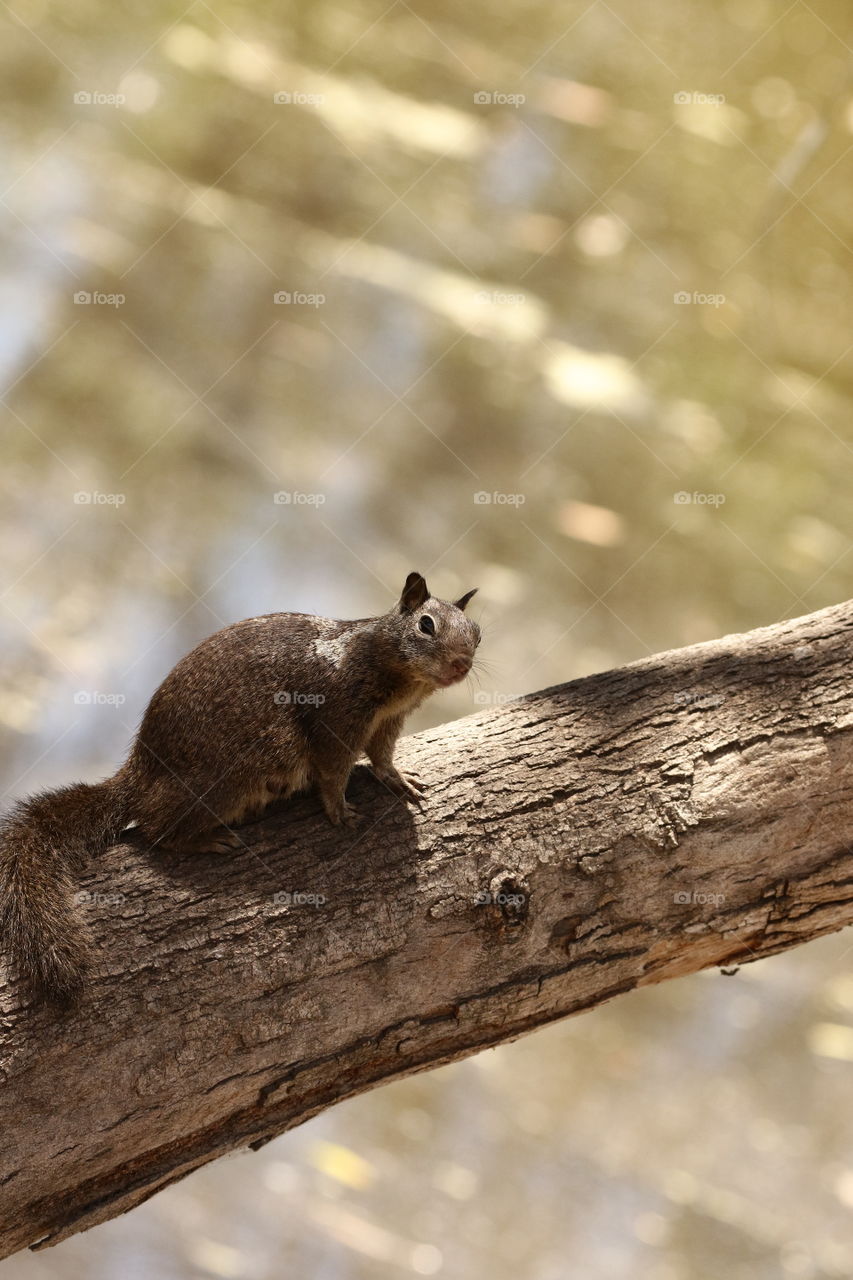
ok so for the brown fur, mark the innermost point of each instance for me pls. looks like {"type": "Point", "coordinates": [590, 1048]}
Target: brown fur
{"type": "Point", "coordinates": [259, 710]}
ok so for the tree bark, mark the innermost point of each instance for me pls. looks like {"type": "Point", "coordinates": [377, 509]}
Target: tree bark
{"type": "Point", "coordinates": [690, 810]}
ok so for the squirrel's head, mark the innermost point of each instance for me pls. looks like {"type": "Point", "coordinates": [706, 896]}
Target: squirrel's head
{"type": "Point", "coordinates": [437, 640]}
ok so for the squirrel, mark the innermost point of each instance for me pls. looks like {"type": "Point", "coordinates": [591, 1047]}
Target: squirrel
{"type": "Point", "coordinates": [259, 710]}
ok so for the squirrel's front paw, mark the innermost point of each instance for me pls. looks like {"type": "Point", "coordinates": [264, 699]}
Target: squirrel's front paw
{"type": "Point", "coordinates": [412, 785]}
{"type": "Point", "coordinates": [343, 814]}
{"type": "Point", "coordinates": [402, 784]}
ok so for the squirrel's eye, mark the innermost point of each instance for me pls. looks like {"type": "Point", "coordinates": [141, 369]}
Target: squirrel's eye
{"type": "Point", "coordinates": [427, 625]}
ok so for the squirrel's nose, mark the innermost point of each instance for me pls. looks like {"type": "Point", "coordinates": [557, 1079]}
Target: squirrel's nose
{"type": "Point", "coordinates": [461, 666]}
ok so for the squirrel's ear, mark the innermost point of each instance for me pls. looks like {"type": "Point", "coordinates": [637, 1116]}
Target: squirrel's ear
{"type": "Point", "coordinates": [415, 592]}
{"type": "Point", "coordinates": [463, 600]}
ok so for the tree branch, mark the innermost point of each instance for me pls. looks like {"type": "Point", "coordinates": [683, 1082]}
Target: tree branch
{"type": "Point", "coordinates": [690, 810]}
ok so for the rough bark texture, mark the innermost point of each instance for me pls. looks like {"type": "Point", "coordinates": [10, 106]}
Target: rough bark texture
{"type": "Point", "coordinates": [690, 810]}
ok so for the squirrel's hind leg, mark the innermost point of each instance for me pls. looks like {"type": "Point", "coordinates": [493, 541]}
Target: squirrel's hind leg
{"type": "Point", "coordinates": [216, 839]}
{"type": "Point", "coordinates": [179, 818]}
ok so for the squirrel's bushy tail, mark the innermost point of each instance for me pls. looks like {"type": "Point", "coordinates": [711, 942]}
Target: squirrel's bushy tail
{"type": "Point", "coordinates": [44, 842]}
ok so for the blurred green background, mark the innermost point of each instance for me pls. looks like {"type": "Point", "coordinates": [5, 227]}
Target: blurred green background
{"type": "Point", "coordinates": [549, 299]}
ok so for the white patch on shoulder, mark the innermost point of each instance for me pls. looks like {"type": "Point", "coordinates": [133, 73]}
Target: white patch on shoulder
{"type": "Point", "coordinates": [333, 650]}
